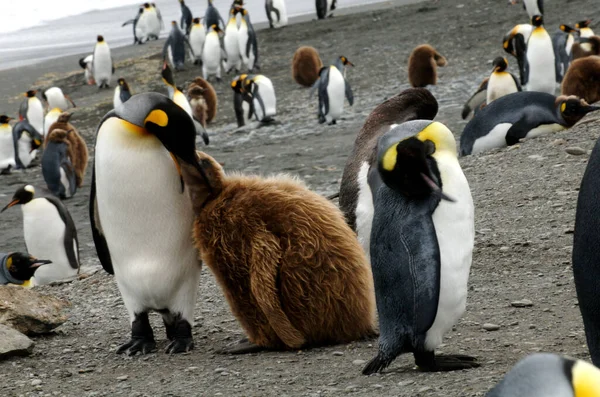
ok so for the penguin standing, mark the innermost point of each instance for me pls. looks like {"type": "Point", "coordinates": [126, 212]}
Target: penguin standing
{"type": "Point", "coordinates": [49, 233]}
{"type": "Point", "coordinates": [197, 39]}
{"type": "Point", "coordinates": [103, 66]}
{"type": "Point", "coordinates": [212, 54]}
{"type": "Point", "coordinates": [333, 87]}
{"type": "Point", "coordinates": [243, 105]}
{"type": "Point", "coordinates": [422, 65]}
{"type": "Point", "coordinates": [501, 82]}
{"type": "Point", "coordinates": [175, 47]}
{"type": "Point", "coordinates": [7, 149]}
{"type": "Point", "coordinates": [212, 17]}
{"type": "Point", "coordinates": [57, 168]}
{"type": "Point", "coordinates": [263, 97]}
{"type": "Point", "coordinates": [86, 64]}
{"type": "Point", "coordinates": [521, 115]}
{"type": "Point", "coordinates": [137, 32]}
{"type": "Point", "coordinates": [186, 18]}
{"type": "Point", "coordinates": [26, 141]}
{"type": "Point", "coordinates": [276, 13]}
{"type": "Point", "coordinates": [18, 268]}
{"type": "Point", "coordinates": [306, 65]}
{"type": "Point", "coordinates": [32, 110]}
{"type": "Point", "coordinates": [149, 23]}
{"type": "Point", "coordinates": [545, 374]}
{"type": "Point", "coordinates": [51, 117]}
{"type": "Point", "coordinates": [533, 7]}
{"type": "Point", "coordinates": [136, 245]}
{"type": "Point", "coordinates": [325, 8]}
{"type": "Point", "coordinates": [563, 41]}
{"type": "Point", "coordinates": [122, 93]}
{"type": "Point", "coordinates": [247, 41]}
{"type": "Point", "coordinates": [541, 69]}
{"type": "Point", "coordinates": [585, 32]}
{"type": "Point", "coordinates": [232, 45]}
{"type": "Point", "coordinates": [55, 98]}
{"type": "Point", "coordinates": [515, 43]}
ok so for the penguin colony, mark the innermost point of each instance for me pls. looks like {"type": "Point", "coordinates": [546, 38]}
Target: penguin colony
{"type": "Point", "coordinates": [296, 270]}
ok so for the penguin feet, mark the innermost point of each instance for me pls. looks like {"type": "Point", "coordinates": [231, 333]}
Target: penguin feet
{"type": "Point", "coordinates": [333, 122]}
{"type": "Point", "coordinates": [142, 337]}
{"type": "Point", "coordinates": [243, 346]}
{"type": "Point", "coordinates": [430, 362]}
{"type": "Point", "coordinates": [179, 332]}
{"type": "Point", "coordinates": [377, 364]}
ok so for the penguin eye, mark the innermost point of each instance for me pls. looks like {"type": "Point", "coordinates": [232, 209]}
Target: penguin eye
{"type": "Point", "coordinates": [429, 147]}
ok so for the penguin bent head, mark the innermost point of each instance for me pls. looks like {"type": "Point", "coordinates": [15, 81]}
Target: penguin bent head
{"type": "Point", "coordinates": [31, 93]}
{"type": "Point", "coordinates": [572, 108]}
{"type": "Point", "coordinates": [4, 119]}
{"type": "Point", "coordinates": [500, 64]}
{"type": "Point", "coordinates": [21, 267]}
{"type": "Point", "coordinates": [196, 21]}
{"type": "Point", "coordinates": [23, 195]}
{"type": "Point", "coordinates": [345, 61]}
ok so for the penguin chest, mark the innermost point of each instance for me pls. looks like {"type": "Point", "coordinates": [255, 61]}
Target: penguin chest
{"type": "Point", "coordinates": [117, 98]}
{"type": "Point", "coordinates": [44, 232]}
{"type": "Point", "coordinates": [25, 152]}
{"type": "Point", "coordinates": [211, 56]}
{"type": "Point", "coordinates": [243, 40]}
{"type": "Point", "coordinates": [180, 99]}
{"type": "Point", "coordinates": [336, 89]}
{"type": "Point", "coordinates": [7, 151]}
{"type": "Point", "coordinates": [35, 113]}
{"type": "Point", "coordinates": [152, 25]}
{"type": "Point", "coordinates": [265, 102]}
{"type": "Point", "coordinates": [102, 62]}
{"type": "Point", "coordinates": [499, 85]}
{"type": "Point", "coordinates": [49, 120]}
{"type": "Point", "coordinates": [197, 39]}
{"type": "Point", "coordinates": [496, 138]}
{"type": "Point", "coordinates": [232, 46]}
{"type": "Point", "coordinates": [540, 57]}
{"type": "Point", "coordinates": [365, 209]}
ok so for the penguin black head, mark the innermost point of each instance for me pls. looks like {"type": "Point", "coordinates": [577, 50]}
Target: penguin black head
{"type": "Point", "coordinates": [30, 93]}
{"type": "Point", "coordinates": [572, 108]}
{"type": "Point", "coordinates": [21, 267]}
{"type": "Point", "coordinates": [196, 21]}
{"type": "Point", "coordinates": [568, 29]}
{"type": "Point", "coordinates": [174, 23]}
{"type": "Point", "coordinates": [146, 5]}
{"type": "Point", "coordinates": [407, 157]}
{"type": "Point", "coordinates": [500, 64]}
{"type": "Point", "coordinates": [181, 1]}
{"type": "Point", "coordinates": [123, 84]}
{"type": "Point", "coordinates": [100, 39]}
{"type": "Point", "coordinates": [167, 74]}
{"type": "Point", "coordinates": [583, 24]}
{"type": "Point", "coordinates": [537, 20]}
{"type": "Point", "coordinates": [216, 28]}
{"type": "Point", "coordinates": [82, 63]}
{"type": "Point", "coordinates": [345, 61]}
{"type": "Point", "coordinates": [5, 119]}
{"type": "Point", "coordinates": [23, 195]}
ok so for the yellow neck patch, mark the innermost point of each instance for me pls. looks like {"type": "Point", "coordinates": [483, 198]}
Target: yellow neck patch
{"type": "Point", "coordinates": [389, 158]}
{"type": "Point", "coordinates": [586, 380]}
{"type": "Point", "coordinates": [134, 128]}
{"type": "Point", "coordinates": [27, 284]}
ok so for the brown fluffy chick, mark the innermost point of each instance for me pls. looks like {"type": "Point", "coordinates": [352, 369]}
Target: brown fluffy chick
{"type": "Point", "coordinates": [422, 66]}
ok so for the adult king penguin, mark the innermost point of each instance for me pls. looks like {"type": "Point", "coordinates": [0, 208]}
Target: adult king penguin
{"type": "Point", "coordinates": [18, 268]}
{"type": "Point", "coordinates": [212, 16]}
{"type": "Point", "coordinates": [175, 47]}
{"type": "Point", "coordinates": [243, 104]}
{"type": "Point", "coordinates": [135, 168]}
{"type": "Point", "coordinates": [7, 149]}
{"type": "Point", "coordinates": [55, 98]}
{"type": "Point", "coordinates": [57, 169]}
{"type": "Point", "coordinates": [332, 88]}
{"type": "Point", "coordinates": [533, 7]}
{"type": "Point", "coordinates": [149, 23]}
{"type": "Point", "coordinates": [137, 32]}
{"type": "Point", "coordinates": [263, 97]}
{"type": "Point", "coordinates": [421, 244]}
{"type": "Point", "coordinates": [26, 141]}
{"type": "Point", "coordinates": [247, 41]}
{"type": "Point", "coordinates": [86, 64]}
{"type": "Point", "coordinates": [32, 110]}
{"type": "Point", "coordinates": [186, 18]}
{"type": "Point", "coordinates": [49, 233]}
{"type": "Point", "coordinates": [103, 67]}
{"type": "Point", "coordinates": [549, 375]}
{"type": "Point", "coordinates": [276, 13]}
{"type": "Point", "coordinates": [541, 70]}
{"type": "Point", "coordinates": [521, 115]}
{"type": "Point", "coordinates": [563, 41]}
{"type": "Point", "coordinates": [232, 45]}
{"type": "Point", "coordinates": [122, 93]}
{"type": "Point", "coordinates": [212, 54]}
{"type": "Point", "coordinates": [197, 39]}
{"type": "Point", "coordinates": [325, 8]}
{"type": "Point", "coordinates": [515, 43]}
{"type": "Point", "coordinates": [585, 32]}
{"type": "Point", "coordinates": [501, 82]}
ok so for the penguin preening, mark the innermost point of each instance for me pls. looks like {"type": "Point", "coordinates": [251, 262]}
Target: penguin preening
{"type": "Point", "coordinates": [212, 16]}
{"type": "Point", "coordinates": [325, 8]}
{"type": "Point", "coordinates": [243, 103]}
{"type": "Point", "coordinates": [515, 43]}
{"type": "Point", "coordinates": [57, 169]}
{"type": "Point", "coordinates": [421, 243]}
{"type": "Point", "coordinates": [210, 96]}
{"type": "Point", "coordinates": [276, 13]}
{"type": "Point", "coordinates": [263, 97]}
{"type": "Point", "coordinates": [197, 39]}
{"type": "Point", "coordinates": [521, 115]}
{"type": "Point", "coordinates": [332, 89]}
{"type": "Point", "coordinates": [232, 45]}
{"type": "Point", "coordinates": [175, 47]}
{"type": "Point", "coordinates": [247, 41]}
{"type": "Point", "coordinates": [26, 141]}
{"type": "Point", "coordinates": [103, 68]}
{"type": "Point", "coordinates": [422, 65]}
{"type": "Point", "coordinates": [32, 110]}
{"type": "Point", "coordinates": [136, 245]}
{"type": "Point", "coordinates": [18, 268]}
{"type": "Point", "coordinates": [583, 79]}
{"type": "Point", "coordinates": [563, 41]}
{"type": "Point", "coordinates": [299, 278]}
{"type": "Point", "coordinates": [7, 150]}
{"type": "Point", "coordinates": [87, 64]}
{"type": "Point", "coordinates": [545, 374]}
{"type": "Point", "coordinates": [122, 93]}
{"type": "Point", "coordinates": [212, 54]}
{"type": "Point", "coordinates": [541, 67]}
{"type": "Point", "coordinates": [55, 98]}
{"type": "Point", "coordinates": [186, 18]}
{"type": "Point", "coordinates": [501, 82]}
{"type": "Point", "coordinates": [306, 65]}
{"type": "Point", "coordinates": [477, 100]}
{"type": "Point", "coordinates": [49, 233]}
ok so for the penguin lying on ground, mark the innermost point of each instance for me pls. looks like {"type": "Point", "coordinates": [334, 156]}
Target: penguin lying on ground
{"type": "Point", "coordinates": [102, 64]}
{"type": "Point", "coordinates": [501, 82]}
{"type": "Point", "coordinates": [563, 41]}
{"type": "Point", "coordinates": [57, 169]}
{"type": "Point", "coordinates": [78, 153]}
{"type": "Point", "coordinates": [306, 65]}
{"type": "Point", "coordinates": [583, 79]}
{"type": "Point", "coordinates": [86, 64]}
{"type": "Point", "coordinates": [32, 110]}
{"type": "Point", "coordinates": [515, 43]}
{"type": "Point", "coordinates": [586, 47]}
{"type": "Point", "coordinates": [18, 268]}
{"type": "Point", "coordinates": [333, 88]}
{"type": "Point", "coordinates": [544, 375]}
{"type": "Point", "coordinates": [541, 67]}
{"type": "Point", "coordinates": [422, 66]}
{"type": "Point", "coordinates": [477, 100]}
{"type": "Point", "coordinates": [197, 39]}
{"type": "Point", "coordinates": [243, 103]}
{"type": "Point", "coordinates": [26, 141]}
{"type": "Point", "coordinates": [290, 268]}
{"type": "Point", "coordinates": [7, 148]}
{"type": "Point", "coordinates": [175, 47]}
{"type": "Point", "coordinates": [276, 13]}
{"type": "Point", "coordinates": [521, 115]}
{"type": "Point", "coordinates": [122, 93]}
{"type": "Point", "coordinates": [186, 18]}
{"type": "Point", "coordinates": [49, 233]}
{"type": "Point", "coordinates": [247, 41]}
{"type": "Point", "coordinates": [137, 154]}
{"type": "Point", "coordinates": [55, 98]}
{"type": "Point", "coordinates": [263, 97]}
{"type": "Point", "coordinates": [212, 16]}
{"type": "Point", "coordinates": [210, 96]}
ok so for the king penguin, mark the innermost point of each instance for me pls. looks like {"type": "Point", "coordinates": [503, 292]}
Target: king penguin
{"type": "Point", "coordinates": [585, 32]}
{"type": "Point", "coordinates": [501, 82]}
{"type": "Point", "coordinates": [7, 147]}
{"type": "Point", "coordinates": [421, 244]}
{"type": "Point", "coordinates": [57, 169]}
{"type": "Point", "coordinates": [563, 41]}
{"type": "Point", "coordinates": [103, 67]}
{"type": "Point", "coordinates": [197, 39]}
{"type": "Point", "coordinates": [55, 98]}
{"type": "Point", "coordinates": [212, 54]}
{"type": "Point", "coordinates": [534, 7]}
{"type": "Point", "coordinates": [325, 8]}
{"type": "Point", "coordinates": [247, 41]}
{"type": "Point", "coordinates": [149, 23]}
{"type": "Point", "coordinates": [122, 93]}
{"type": "Point", "coordinates": [86, 64]}
{"type": "Point", "coordinates": [263, 97]}
{"type": "Point", "coordinates": [541, 69]}
{"type": "Point", "coordinates": [521, 115]}
{"type": "Point", "coordinates": [232, 45]}
{"type": "Point", "coordinates": [26, 141]}
{"type": "Point", "coordinates": [186, 18]}
{"type": "Point", "coordinates": [135, 167]}
{"type": "Point", "coordinates": [51, 118]}
{"type": "Point", "coordinates": [175, 47]}
{"type": "Point", "coordinates": [137, 31]}
{"type": "Point", "coordinates": [212, 17]}
{"type": "Point", "coordinates": [545, 375]}
{"type": "Point", "coordinates": [515, 43]}
{"type": "Point", "coordinates": [49, 233]}
{"type": "Point", "coordinates": [243, 104]}
{"type": "Point", "coordinates": [18, 268]}
{"type": "Point", "coordinates": [32, 110]}
{"type": "Point", "coordinates": [332, 88]}
{"type": "Point", "coordinates": [276, 13]}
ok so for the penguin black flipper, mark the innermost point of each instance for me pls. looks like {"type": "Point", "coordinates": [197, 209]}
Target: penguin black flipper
{"type": "Point", "coordinates": [518, 130]}
{"type": "Point", "coordinates": [586, 253]}
{"type": "Point", "coordinates": [256, 95]}
{"type": "Point", "coordinates": [97, 232]}
{"type": "Point", "coordinates": [165, 48]}
{"type": "Point", "coordinates": [70, 241]}
{"type": "Point", "coordinates": [521, 51]}
{"type": "Point", "coordinates": [519, 87]}
{"type": "Point", "coordinates": [323, 96]}
{"type": "Point", "coordinates": [16, 134]}
{"type": "Point", "coordinates": [23, 109]}
{"type": "Point", "coordinates": [349, 94]}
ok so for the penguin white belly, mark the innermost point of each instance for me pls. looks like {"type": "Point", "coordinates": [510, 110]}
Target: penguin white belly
{"type": "Point", "coordinates": [584, 33]}
{"type": "Point", "coordinates": [50, 119]}
{"type": "Point", "coordinates": [152, 23]}
{"type": "Point", "coordinates": [197, 39]}
{"type": "Point", "coordinates": [496, 138]}
{"type": "Point", "coordinates": [540, 57]}
{"type": "Point", "coordinates": [246, 110]}
{"type": "Point", "coordinates": [336, 89]}
{"type": "Point", "coordinates": [329, 3]}
{"type": "Point", "coordinates": [499, 85]}
{"type": "Point", "coordinates": [267, 94]}
{"type": "Point", "coordinates": [544, 129]}
{"type": "Point", "coordinates": [117, 98]}
{"type": "Point", "coordinates": [183, 103]}
{"type": "Point", "coordinates": [283, 18]}
{"type": "Point", "coordinates": [211, 56]}
{"type": "Point", "coordinates": [364, 209]}
{"type": "Point", "coordinates": [25, 153]}
{"type": "Point", "coordinates": [56, 98]}
{"type": "Point", "coordinates": [35, 114]}
{"type": "Point", "coordinates": [102, 64]}
{"type": "Point", "coordinates": [64, 180]}
{"type": "Point", "coordinates": [44, 232]}
{"type": "Point", "coordinates": [147, 222]}
{"type": "Point", "coordinates": [455, 231]}
{"type": "Point", "coordinates": [243, 42]}
{"type": "Point", "coordinates": [232, 47]}
{"type": "Point", "coordinates": [7, 150]}
{"type": "Point", "coordinates": [569, 46]}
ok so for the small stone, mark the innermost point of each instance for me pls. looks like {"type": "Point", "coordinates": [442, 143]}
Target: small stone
{"type": "Point", "coordinates": [36, 382]}
{"type": "Point", "coordinates": [358, 362]}
{"type": "Point", "coordinates": [575, 151]}
{"type": "Point", "coordinates": [13, 343]}
{"type": "Point", "coordinates": [377, 386]}
{"type": "Point", "coordinates": [522, 303]}
{"type": "Point", "coordinates": [491, 327]}
{"type": "Point", "coordinates": [337, 353]}
{"type": "Point", "coordinates": [406, 383]}
{"type": "Point", "coordinates": [192, 368]}
{"type": "Point", "coordinates": [424, 389]}
{"type": "Point", "coordinates": [219, 370]}
{"type": "Point", "coordinates": [123, 378]}
{"type": "Point", "coordinates": [558, 142]}
{"type": "Point", "coordinates": [532, 326]}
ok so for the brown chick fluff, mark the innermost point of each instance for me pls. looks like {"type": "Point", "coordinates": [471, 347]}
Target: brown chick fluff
{"type": "Point", "coordinates": [579, 52]}
{"type": "Point", "coordinates": [198, 103]}
{"type": "Point", "coordinates": [78, 152]}
{"type": "Point", "coordinates": [583, 79]}
{"type": "Point", "coordinates": [306, 65]}
{"type": "Point", "coordinates": [422, 66]}
{"type": "Point", "coordinates": [291, 270]}
{"type": "Point", "coordinates": [210, 96]}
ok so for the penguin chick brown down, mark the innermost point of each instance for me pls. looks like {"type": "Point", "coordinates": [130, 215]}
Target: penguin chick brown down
{"type": "Point", "coordinates": [549, 375]}
{"type": "Point", "coordinates": [501, 82]}
{"type": "Point", "coordinates": [210, 96]}
{"type": "Point", "coordinates": [291, 270]}
{"type": "Point", "coordinates": [583, 79]}
{"type": "Point", "coordinates": [422, 66]}
{"type": "Point", "coordinates": [521, 115]}
{"type": "Point", "coordinates": [421, 245]}
{"type": "Point", "coordinates": [18, 268]}
{"type": "Point", "coordinates": [306, 65]}
{"type": "Point", "coordinates": [142, 217]}
{"type": "Point", "coordinates": [57, 169]}
{"type": "Point", "coordinates": [78, 153]}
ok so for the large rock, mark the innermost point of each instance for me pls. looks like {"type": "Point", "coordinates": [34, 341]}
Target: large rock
{"type": "Point", "coordinates": [30, 312]}
{"type": "Point", "coordinates": [13, 343]}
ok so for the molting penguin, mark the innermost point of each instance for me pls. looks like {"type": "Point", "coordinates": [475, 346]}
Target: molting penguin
{"type": "Point", "coordinates": [563, 41]}
{"type": "Point", "coordinates": [197, 39]}
{"type": "Point", "coordinates": [333, 87]}
{"type": "Point", "coordinates": [501, 82]}
{"type": "Point", "coordinates": [57, 168]}
{"type": "Point", "coordinates": [544, 374]}
{"type": "Point", "coordinates": [583, 79]}
{"type": "Point", "coordinates": [138, 150]}
{"type": "Point", "coordinates": [103, 67]}
{"type": "Point", "coordinates": [87, 64]}
{"type": "Point", "coordinates": [212, 54]}
{"type": "Point", "coordinates": [7, 148]}
{"type": "Point", "coordinates": [55, 98]}
{"type": "Point", "coordinates": [149, 23]}
{"type": "Point", "coordinates": [210, 96]}
{"type": "Point", "coordinates": [541, 67]}
{"type": "Point", "coordinates": [421, 244]}
{"type": "Point", "coordinates": [212, 16]}
{"type": "Point", "coordinates": [306, 65]}
{"type": "Point", "coordinates": [325, 8]}
{"type": "Point", "coordinates": [247, 41]}
{"type": "Point", "coordinates": [175, 47]}
{"type": "Point", "coordinates": [32, 110]}
{"type": "Point", "coordinates": [263, 97]}
{"type": "Point", "coordinates": [137, 32]}
{"type": "Point", "coordinates": [290, 268]}
{"type": "Point", "coordinates": [186, 18]}
{"type": "Point", "coordinates": [26, 141]}
{"type": "Point", "coordinates": [49, 233]}
{"type": "Point", "coordinates": [477, 100]}
{"type": "Point", "coordinates": [585, 32]}
{"type": "Point", "coordinates": [122, 93]}
{"type": "Point", "coordinates": [18, 268]}
{"type": "Point", "coordinates": [520, 115]}
{"type": "Point", "coordinates": [232, 45]}
{"type": "Point", "coordinates": [515, 43]}
{"type": "Point", "coordinates": [422, 66]}
{"type": "Point", "coordinates": [276, 13]}
{"type": "Point", "coordinates": [243, 105]}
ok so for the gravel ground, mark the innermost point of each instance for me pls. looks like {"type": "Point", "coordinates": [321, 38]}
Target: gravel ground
{"type": "Point", "coordinates": [524, 197]}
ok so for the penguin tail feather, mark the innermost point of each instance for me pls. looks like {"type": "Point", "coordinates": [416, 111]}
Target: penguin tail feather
{"type": "Point", "coordinates": [376, 365]}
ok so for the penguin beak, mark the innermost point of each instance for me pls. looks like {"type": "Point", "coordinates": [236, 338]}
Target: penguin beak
{"type": "Point", "coordinates": [436, 189]}
{"type": "Point", "coordinates": [39, 262]}
{"type": "Point", "coordinates": [12, 203]}
{"type": "Point", "coordinates": [589, 109]}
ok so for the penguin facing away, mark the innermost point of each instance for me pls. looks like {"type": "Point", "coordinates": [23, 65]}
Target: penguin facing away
{"type": "Point", "coordinates": [197, 39]}
{"type": "Point", "coordinates": [49, 233]}
{"type": "Point", "coordinates": [243, 103]}
{"type": "Point", "coordinates": [276, 13]}
{"type": "Point", "coordinates": [135, 247]}
{"type": "Point", "coordinates": [175, 47]}
{"type": "Point", "coordinates": [563, 41]}
{"type": "Point", "coordinates": [102, 64]}
{"type": "Point", "coordinates": [421, 244]}
{"type": "Point", "coordinates": [545, 374]}
{"type": "Point", "coordinates": [247, 41]}
{"type": "Point", "coordinates": [583, 79]}
{"type": "Point", "coordinates": [477, 100]}
{"type": "Point", "coordinates": [515, 43]}
{"type": "Point", "coordinates": [26, 141]}
{"type": "Point", "coordinates": [306, 65]}
{"type": "Point", "coordinates": [210, 96]}
{"type": "Point", "coordinates": [57, 169]}
{"type": "Point", "coordinates": [541, 69]}
{"type": "Point", "coordinates": [122, 93]}
{"type": "Point", "coordinates": [501, 82]}
{"type": "Point", "coordinates": [422, 65]}
{"type": "Point", "coordinates": [7, 150]}
{"type": "Point", "coordinates": [55, 98]}
{"type": "Point", "coordinates": [18, 268]}
{"type": "Point", "coordinates": [50, 118]}
{"type": "Point", "coordinates": [86, 64]}
{"type": "Point", "coordinates": [212, 17]}
{"type": "Point", "coordinates": [332, 88]}
{"type": "Point", "coordinates": [521, 115]}
{"type": "Point", "coordinates": [212, 54]}
{"type": "Point", "coordinates": [32, 110]}
{"type": "Point", "coordinates": [137, 33]}
{"type": "Point", "coordinates": [186, 18]}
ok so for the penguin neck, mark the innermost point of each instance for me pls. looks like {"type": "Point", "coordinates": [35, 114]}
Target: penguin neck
{"type": "Point", "coordinates": [171, 90]}
{"type": "Point", "coordinates": [5, 276]}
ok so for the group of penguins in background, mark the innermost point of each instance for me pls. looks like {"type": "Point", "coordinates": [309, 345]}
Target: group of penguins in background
{"type": "Point", "coordinates": [296, 270]}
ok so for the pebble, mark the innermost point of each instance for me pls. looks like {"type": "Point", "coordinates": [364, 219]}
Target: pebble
{"type": "Point", "coordinates": [575, 150]}
{"type": "Point", "coordinates": [491, 327]}
{"type": "Point", "coordinates": [123, 378]}
{"type": "Point", "coordinates": [36, 382]}
{"type": "Point", "coordinates": [522, 303]}
{"type": "Point", "coordinates": [338, 353]}
{"type": "Point", "coordinates": [424, 389]}
{"type": "Point", "coordinates": [358, 362]}
{"type": "Point", "coordinates": [558, 142]}
{"type": "Point", "coordinates": [406, 383]}
{"type": "Point", "coordinates": [217, 370]}
{"type": "Point", "coordinates": [377, 386]}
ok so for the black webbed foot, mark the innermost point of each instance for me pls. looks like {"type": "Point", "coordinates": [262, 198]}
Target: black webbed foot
{"type": "Point", "coordinates": [377, 364]}
{"type": "Point", "coordinates": [142, 337]}
{"type": "Point", "coordinates": [179, 332]}
{"type": "Point", "coordinates": [429, 362]}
